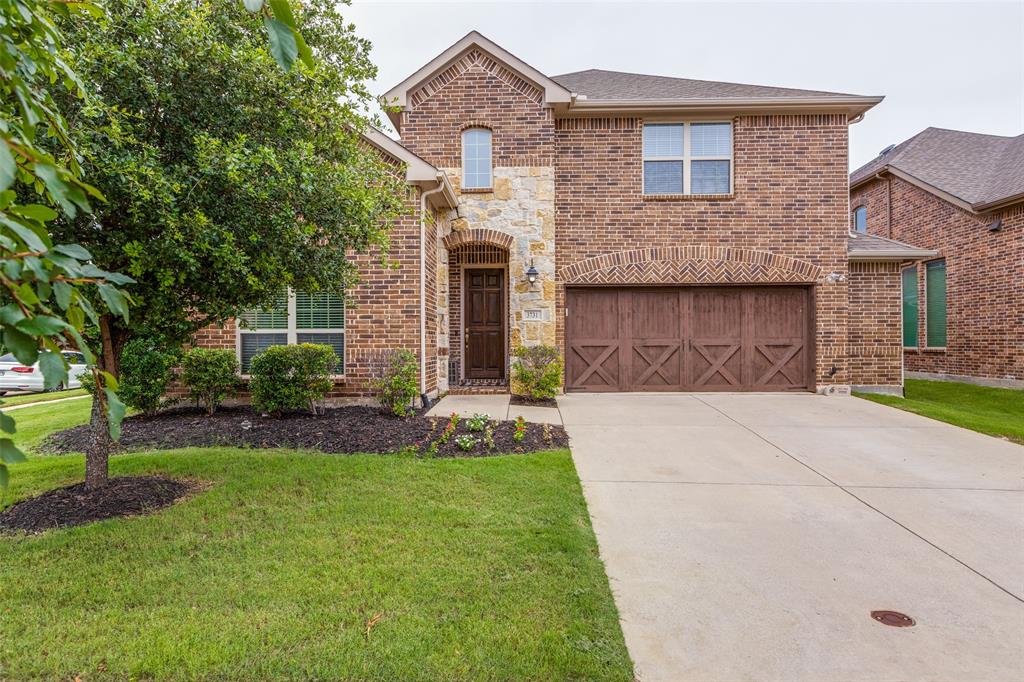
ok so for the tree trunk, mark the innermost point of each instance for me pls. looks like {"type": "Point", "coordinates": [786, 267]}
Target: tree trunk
{"type": "Point", "coordinates": [97, 456]}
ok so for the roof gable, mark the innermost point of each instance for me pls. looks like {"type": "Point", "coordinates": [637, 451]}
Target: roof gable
{"type": "Point", "coordinates": [472, 48]}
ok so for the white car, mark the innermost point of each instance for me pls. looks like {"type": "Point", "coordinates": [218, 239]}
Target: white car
{"type": "Point", "coordinates": [15, 376]}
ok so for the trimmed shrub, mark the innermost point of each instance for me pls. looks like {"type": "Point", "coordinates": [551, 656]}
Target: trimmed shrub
{"type": "Point", "coordinates": [145, 373]}
{"type": "Point", "coordinates": [537, 372]}
{"type": "Point", "coordinates": [398, 383]}
{"type": "Point", "coordinates": [291, 377]}
{"type": "Point", "coordinates": [210, 375]}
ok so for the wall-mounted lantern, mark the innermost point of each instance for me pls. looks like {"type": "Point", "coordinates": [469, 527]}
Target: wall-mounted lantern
{"type": "Point", "coordinates": [531, 273]}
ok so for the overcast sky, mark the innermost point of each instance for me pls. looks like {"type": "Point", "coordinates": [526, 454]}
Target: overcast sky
{"type": "Point", "coordinates": [949, 65]}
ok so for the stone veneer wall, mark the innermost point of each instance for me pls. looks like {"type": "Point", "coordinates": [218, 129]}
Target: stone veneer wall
{"type": "Point", "coordinates": [522, 205]}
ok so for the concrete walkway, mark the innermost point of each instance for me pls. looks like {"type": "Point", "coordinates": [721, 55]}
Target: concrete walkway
{"type": "Point", "coordinates": [495, 405]}
{"type": "Point", "coordinates": [749, 537]}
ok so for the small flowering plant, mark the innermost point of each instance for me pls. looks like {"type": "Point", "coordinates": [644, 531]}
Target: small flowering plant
{"type": "Point", "coordinates": [477, 422]}
{"type": "Point", "coordinates": [466, 442]}
{"type": "Point", "coordinates": [520, 432]}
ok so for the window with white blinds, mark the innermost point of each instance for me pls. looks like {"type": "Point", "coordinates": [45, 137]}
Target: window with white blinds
{"type": "Point", "coordinates": [294, 317]}
{"type": "Point", "coordinates": [687, 158]}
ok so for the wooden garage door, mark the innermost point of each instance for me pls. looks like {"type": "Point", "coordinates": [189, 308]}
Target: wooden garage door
{"type": "Point", "coordinates": [689, 339]}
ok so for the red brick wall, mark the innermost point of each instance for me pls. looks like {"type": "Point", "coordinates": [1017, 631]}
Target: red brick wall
{"type": "Point", "coordinates": [479, 92]}
{"type": "Point", "coordinates": [384, 310]}
{"type": "Point", "coordinates": [984, 277]}
{"type": "Point", "coordinates": [876, 352]}
{"type": "Point", "coordinates": [790, 198]}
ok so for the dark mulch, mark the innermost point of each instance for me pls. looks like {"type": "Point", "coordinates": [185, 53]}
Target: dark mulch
{"type": "Point", "coordinates": [533, 402]}
{"type": "Point", "coordinates": [76, 505]}
{"type": "Point", "coordinates": [342, 430]}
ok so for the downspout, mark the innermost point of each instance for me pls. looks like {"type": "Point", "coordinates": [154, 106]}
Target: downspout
{"type": "Point", "coordinates": [423, 287]}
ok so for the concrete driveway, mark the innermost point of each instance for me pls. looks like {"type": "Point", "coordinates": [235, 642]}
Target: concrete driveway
{"type": "Point", "coordinates": [749, 537]}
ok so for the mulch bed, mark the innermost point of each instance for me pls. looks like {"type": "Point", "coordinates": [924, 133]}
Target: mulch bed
{"type": "Point", "coordinates": [343, 430]}
{"type": "Point", "coordinates": [531, 402]}
{"type": "Point", "coordinates": [76, 505]}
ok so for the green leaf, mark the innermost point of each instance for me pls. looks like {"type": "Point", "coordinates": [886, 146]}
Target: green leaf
{"type": "Point", "coordinates": [7, 423]}
{"type": "Point", "coordinates": [115, 413]}
{"type": "Point", "coordinates": [115, 300]}
{"type": "Point", "coordinates": [55, 372]}
{"type": "Point", "coordinates": [35, 212]}
{"type": "Point", "coordinates": [63, 291]}
{"type": "Point", "coordinates": [25, 234]}
{"type": "Point", "coordinates": [74, 250]}
{"type": "Point", "coordinates": [3, 477]}
{"type": "Point", "coordinates": [42, 325]}
{"type": "Point", "coordinates": [8, 167]}
{"type": "Point", "coordinates": [9, 453]}
{"type": "Point", "coordinates": [109, 380]}
{"type": "Point", "coordinates": [24, 347]}
{"type": "Point", "coordinates": [283, 13]}
{"type": "Point", "coordinates": [282, 43]}
{"type": "Point", "coordinates": [11, 314]}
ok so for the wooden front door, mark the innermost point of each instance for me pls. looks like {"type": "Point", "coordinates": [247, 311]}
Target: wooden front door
{"type": "Point", "coordinates": [484, 323]}
{"type": "Point", "coordinates": [740, 338]}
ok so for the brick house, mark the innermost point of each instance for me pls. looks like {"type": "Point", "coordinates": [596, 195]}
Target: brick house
{"type": "Point", "coordinates": [962, 195]}
{"type": "Point", "coordinates": [663, 233]}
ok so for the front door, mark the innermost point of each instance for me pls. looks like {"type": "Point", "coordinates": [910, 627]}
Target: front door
{"type": "Point", "coordinates": [484, 313]}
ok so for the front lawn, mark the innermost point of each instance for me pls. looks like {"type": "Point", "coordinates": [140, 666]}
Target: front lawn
{"type": "Point", "coordinates": [302, 565]}
{"type": "Point", "coordinates": [995, 411]}
{"type": "Point", "coordinates": [12, 400]}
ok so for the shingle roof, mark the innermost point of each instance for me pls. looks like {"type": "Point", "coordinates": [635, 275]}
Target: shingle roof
{"type": "Point", "coordinates": [616, 85]}
{"type": "Point", "coordinates": [872, 247]}
{"type": "Point", "coordinates": [977, 169]}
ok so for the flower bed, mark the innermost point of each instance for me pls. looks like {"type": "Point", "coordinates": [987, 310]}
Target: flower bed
{"type": "Point", "coordinates": [342, 430]}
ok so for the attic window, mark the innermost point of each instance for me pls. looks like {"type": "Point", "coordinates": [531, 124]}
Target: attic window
{"type": "Point", "coordinates": [476, 158]}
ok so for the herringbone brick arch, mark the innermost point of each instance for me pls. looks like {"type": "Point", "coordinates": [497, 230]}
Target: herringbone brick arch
{"type": "Point", "coordinates": [478, 235]}
{"type": "Point", "coordinates": [689, 265]}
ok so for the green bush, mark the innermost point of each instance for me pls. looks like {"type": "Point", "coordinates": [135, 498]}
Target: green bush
{"type": "Point", "coordinates": [145, 373]}
{"type": "Point", "coordinates": [398, 383]}
{"type": "Point", "coordinates": [537, 372]}
{"type": "Point", "coordinates": [291, 377]}
{"type": "Point", "coordinates": [210, 375]}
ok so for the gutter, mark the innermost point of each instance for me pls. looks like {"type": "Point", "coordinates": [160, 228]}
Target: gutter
{"type": "Point", "coordinates": [441, 186]}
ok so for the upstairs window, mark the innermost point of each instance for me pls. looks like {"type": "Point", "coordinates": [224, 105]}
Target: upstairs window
{"type": "Point", "coordinates": [687, 158]}
{"type": "Point", "coordinates": [935, 303]}
{"type": "Point", "coordinates": [294, 317]}
{"type": "Point", "coordinates": [476, 158]}
{"type": "Point", "coordinates": [860, 219]}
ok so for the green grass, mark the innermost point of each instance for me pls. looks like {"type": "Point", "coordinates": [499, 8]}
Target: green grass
{"type": "Point", "coordinates": [11, 401]}
{"type": "Point", "coordinates": [473, 569]}
{"type": "Point", "coordinates": [994, 411]}
{"type": "Point", "coordinates": [34, 423]}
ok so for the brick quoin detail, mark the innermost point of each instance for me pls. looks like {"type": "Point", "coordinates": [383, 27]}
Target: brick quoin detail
{"type": "Point", "coordinates": [688, 265]}
{"type": "Point", "coordinates": [478, 236]}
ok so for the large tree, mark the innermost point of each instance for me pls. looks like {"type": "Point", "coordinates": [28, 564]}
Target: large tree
{"type": "Point", "coordinates": [226, 178]}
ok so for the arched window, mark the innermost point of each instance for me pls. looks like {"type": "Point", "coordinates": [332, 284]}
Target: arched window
{"type": "Point", "coordinates": [476, 158]}
{"type": "Point", "coordinates": [860, 219]}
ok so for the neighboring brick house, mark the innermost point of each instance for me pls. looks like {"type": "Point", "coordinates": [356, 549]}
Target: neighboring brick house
{"type": "Point", "coordinates": [962, 195]}
{"type": "Point", "coordinates": [664, 233]}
